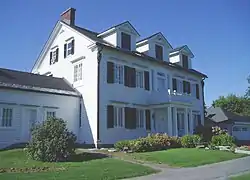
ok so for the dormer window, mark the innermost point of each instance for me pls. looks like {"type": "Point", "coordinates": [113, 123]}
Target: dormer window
{"type": "Point", "coordinates": [125, 41]}
{"type": "Point", "coordinates": [185, 61]}
{"type": "Point", "coordinates": [54, 56]}
{"type": "Point", "coordinates": [69, 48]}
{"type": "Point", "coordinates": [158, 52]}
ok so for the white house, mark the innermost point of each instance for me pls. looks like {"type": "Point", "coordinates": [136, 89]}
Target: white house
{"type": "Point", "coordinates": [123, 88]}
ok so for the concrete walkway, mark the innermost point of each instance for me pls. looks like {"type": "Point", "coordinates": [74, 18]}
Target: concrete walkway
{"type": "Point", "coordinates": [218, 171]}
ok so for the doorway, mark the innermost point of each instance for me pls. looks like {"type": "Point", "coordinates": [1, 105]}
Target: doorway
{"type": "Point", "coordinates": [29, 120]}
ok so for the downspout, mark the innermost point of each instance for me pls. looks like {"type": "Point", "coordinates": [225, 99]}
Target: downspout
{"type": "Point", "coordinates": [203, 98]}
{"type": "Point", "coordinates": [99, 57]}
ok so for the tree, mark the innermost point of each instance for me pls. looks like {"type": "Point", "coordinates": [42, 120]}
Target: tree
{"type": "Point", "coordinates": [232, 103]}
{"type": "Point", "coordinates": [247, 95]}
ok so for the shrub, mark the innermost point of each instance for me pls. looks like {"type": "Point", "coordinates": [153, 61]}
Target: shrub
{"type": "Point", "coordinates": [120, 145]}
{"type": "Point", "coordinates": [153, 142]}
{"type": "Point", "coordinates": [175, 142]}
{"type": "Point", "coordinates": [51, 141]}
{"type": "Point", "coordinates": [222, 140]}
{"type": "Point", "coordinates": [190, 141]}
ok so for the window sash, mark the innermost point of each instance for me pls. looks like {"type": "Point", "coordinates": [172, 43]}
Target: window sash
{"type": "Point", "coordinates": [78, 72]}
{"type": "Point", "coordinates": [118, 73]}
{"type": "Point", "coordinates": [125, 41]}
{"type": "Point", "coordinates": [140, 118]}
{"type": "Point", "coordinates": [158, 52]}
{"type": "Point", "coordinates": [139, 79]}
{"type": "Point", "coordinates": [69, 48]}
{"type": "Point", "coordinates": [7, 116]}
{"type": "Point", "coordinates": [118, 116]}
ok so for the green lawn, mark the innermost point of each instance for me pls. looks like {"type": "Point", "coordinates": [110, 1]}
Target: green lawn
{"type": "Point", "coordinates": [242, 177]}
{"type": "Point", "coordinates": [190, 157]}
{"type": "Point", "coordinates": [83, 166]}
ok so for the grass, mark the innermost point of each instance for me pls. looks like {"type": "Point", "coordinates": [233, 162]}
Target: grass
{"type": "Point", "coordinates": [83, 166]}
{"type": "Point", "coordinates": [242, 177]}
{"type": "Point", "coordinates": [185, 157]}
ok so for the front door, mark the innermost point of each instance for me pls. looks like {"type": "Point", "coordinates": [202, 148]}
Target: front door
{"type": "Point", "coordinates": [180, 124]}
{"type": "Point", "coordinates": [29, 120]}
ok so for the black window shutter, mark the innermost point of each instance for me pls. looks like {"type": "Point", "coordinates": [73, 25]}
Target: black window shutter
{"type": "Point", "coordinates": [133, 118]}
{"type": "Point", "coordinates": [110, 72]}
{"type": "Point", "coordinates": [57, 54]}
{"type": "Point", "coordinates": [174, 84]}
{"type": "Point", "coordinates": [146, 80]}
{"type": "Point", "coordinates": [73, 47]}
{"type": "Point", "coordinates": [148, 119]}
{"type": "Point", "coordinates": [197, 91]}
{"type": "Point", "coordinates": [189, 87]}
{"type": "Point", "coordinates": [126, 76]}
{"type": "Point", "coordinates": [127, 117]}
{"type": "Point", "coordinates": [184, 87]}
{"type": "Point", "coordinates": [132, 77]}
{"type": "Point", "coordinates": [50, 58]}
{"type": "Point", "coordinates": [65, 50]}
{"type": "Point", "coordinates": [110, 116]}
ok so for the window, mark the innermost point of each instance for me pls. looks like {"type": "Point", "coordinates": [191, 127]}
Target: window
{"type": "Point", "coordinates": [158, 52]}
{"type": "Point", "coordinates": [186, 87]}
{"type": "Point", "coordinates": [196, 120]}
{"type": "Point", "coordinates": [185, 61]}
{"type": "Point", "coordinates": [160, 84]}
{"type": "Point", "coordinates": [197, 91]}
{"type": "Point", "coordinates": [244, 129]}
{"type": "Point", "coordinates": [174, 82]}
{"type": "Point", "coordinates": [78, 72]}
{"type": "Point", "coordinates": [69, 48]}
{"type": "Point", "coordinates": [7, 115]}
{"type": "Point", "coordinates": [51, 114]}
{"type": "Point", "coordinates": [236, 128]}
{"type": "Point", "coordinates": [125, 41]}
{"type": "Point", "coordinates": [54, 56]}
{"type": "Point", "coordinates": [139, 79]}
{"type": "Point", "coordinates": [118, 117]}
{"type": "Point", "coordinates": [118, 74]}
{"type": "Point", "coordinates": [139, 118]}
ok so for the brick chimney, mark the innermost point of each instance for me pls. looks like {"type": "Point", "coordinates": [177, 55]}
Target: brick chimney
{"type": "Point", "coordinates": [68, 16]}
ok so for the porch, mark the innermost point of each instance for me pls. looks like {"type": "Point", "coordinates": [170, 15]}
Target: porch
{"type": "Point", "coordinates": [175, 120]}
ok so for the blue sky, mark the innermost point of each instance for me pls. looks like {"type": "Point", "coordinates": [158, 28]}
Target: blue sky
{"type": "Point", "coordinates": [218, 32]}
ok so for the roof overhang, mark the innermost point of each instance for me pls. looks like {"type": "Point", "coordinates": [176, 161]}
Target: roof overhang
{"type": "Point", "coordinates": [184, 48]}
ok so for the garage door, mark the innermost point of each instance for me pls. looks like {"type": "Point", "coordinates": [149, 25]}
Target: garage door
{"type": "Point", "coordinates": [241, 132]}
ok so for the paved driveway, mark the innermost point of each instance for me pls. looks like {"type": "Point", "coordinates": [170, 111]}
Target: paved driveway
{"type": "Point", "coordinates": [218, 171]}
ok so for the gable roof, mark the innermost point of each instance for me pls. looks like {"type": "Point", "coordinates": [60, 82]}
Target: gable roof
{"type": "Point", "coordinates": [33, 82]}
{"type": "Point", "coordinates": [116, 26]}
{"type": "Point", "coordinates": [99, 41]}
{"type": "Point", "coordinates": [181, 48]}
{"type": "Point", "coordinates": [217, 114]}
{"type": "Point", "coordinates": [149, 37]}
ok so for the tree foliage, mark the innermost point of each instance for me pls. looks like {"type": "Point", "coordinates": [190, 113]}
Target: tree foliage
{"type": "Point", "coordinates": [233, 103]}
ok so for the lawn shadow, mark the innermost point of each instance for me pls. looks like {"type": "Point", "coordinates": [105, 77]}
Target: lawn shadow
{"type": "Point", "coordinates": [86, 156]}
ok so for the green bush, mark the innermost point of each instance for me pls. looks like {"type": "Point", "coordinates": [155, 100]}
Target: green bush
{"type": "Point", "coordinates": [51, 141]}
{"type": "Point", "coordinates": [190, 141]}
{"type": "Point", "coordinates": [153, 142]}
{"type": "Point", "coordinates": [222, 140]}
{"type": "Point", "coordinates": [216, 130]}
{"type": "Point", "coordinates": [120, 145]}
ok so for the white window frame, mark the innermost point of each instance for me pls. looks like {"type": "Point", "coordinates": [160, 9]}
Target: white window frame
{"type": "Point", "coordinates": [68, 48]}
{"type": "Point", "coordinates": [140, 118]}
{"type": "Point", "coordinates": [161, 76]}
{"type": "Point", "coordinates": [78, 72]}
{"type": "Point", "coordinates": [119, 116]}
{"type": "Point", "coordinates": [139, 74]}
{"type": "Point", "coordinates": [10, 118]}
{"type": "Point", "coordinates": [118, 73]}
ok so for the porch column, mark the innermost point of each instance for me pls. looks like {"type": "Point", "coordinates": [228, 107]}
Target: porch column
{"type": "Point", "coordinates": [186, 121]}
{"type": "Point", "coordinates": [191, 122]}
{"type": "Point", "coordinates": [170, 126]}
{"type": "Point", "coordinates": [175, 121]}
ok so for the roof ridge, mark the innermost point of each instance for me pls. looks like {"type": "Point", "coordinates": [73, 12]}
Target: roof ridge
{"type": "Point", "coordinates": [30, 73]}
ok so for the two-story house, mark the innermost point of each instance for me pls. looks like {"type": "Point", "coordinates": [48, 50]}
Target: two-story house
{"type": "Point", "coordinates": [127, 87]}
